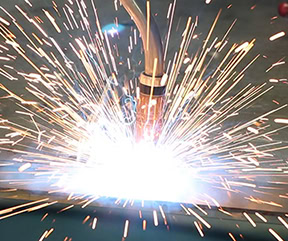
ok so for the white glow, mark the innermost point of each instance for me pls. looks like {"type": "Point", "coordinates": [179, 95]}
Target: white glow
{"type": "Point", "coordinates": [123, 170]}
{"type": "Point", "coordinates": [112, 32]}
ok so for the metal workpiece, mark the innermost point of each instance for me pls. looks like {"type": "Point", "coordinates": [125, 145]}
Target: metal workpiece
{"type": "Point", "coordinates": [154, 50]}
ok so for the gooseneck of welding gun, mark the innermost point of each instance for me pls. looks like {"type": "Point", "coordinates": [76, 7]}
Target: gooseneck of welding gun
{"type": "Point", "coordinates": [149, 117]}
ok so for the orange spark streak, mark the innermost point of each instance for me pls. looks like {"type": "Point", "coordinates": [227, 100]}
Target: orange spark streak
{"type": "Point", "coordinates": [144, 224]}
{"type": "Point", "coordinates": [44, 216]}
{"type": "Point", "coordinates": [86, 219]}
{"type": "Point", "coordinates": [49, 232]}
{"type": "Point", "coordinates": [43, 235]}
{"type": "Point", "coordinates": [199, 229]}
{"type": "Point", "coordinates": [199, 217]}
{"type": "Point", "coordinates": [232, 237]}
{"type": "Point", "coordinates": [7, 210]}
{"type": "Point", "coordinates": [66, 208]}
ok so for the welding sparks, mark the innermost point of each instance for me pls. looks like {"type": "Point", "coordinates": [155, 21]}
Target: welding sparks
{"type": "Point", "coordinates": [283, 222]}
{"type": "Point", "coordinates": [76, 134]}
{"type": "Point", "coordinates": [281, 121]}
{"type": "Point", "coordinates": [277, 36]}
{"type": "Point", "coordinates": [275, 234]}
{"type": "Point", "coordinates": [155, 218]}
{"type": "Point", "coordinates": [249, 219]}
{"type": "Point", "coordinates": [94, 223]}
{"type": "Point", "coordinates": [24, 167]}
{"type": "Point", "coordinates": [199, 229]}
{"type": "Point", "coordinates": [43, 235]}
{"type": "Point", "coordinates": [199, 217]}
{"type": "Point", "coordinates": [126, 229]}
{"type": "Point", "coordinates": [144, 224]}
{"type": "Point", "coordinates": [261, 217]}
